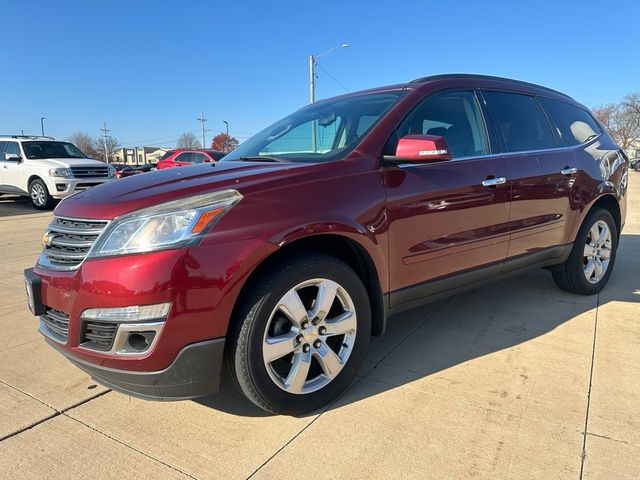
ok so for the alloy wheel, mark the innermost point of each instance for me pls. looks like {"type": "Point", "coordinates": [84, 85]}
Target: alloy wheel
{"type": "Point", "coordinates": [597, 252]}
{"type": "Point", "coordinates": [38, 195]}
{"type": "Point", "coordinates": [309, 336]}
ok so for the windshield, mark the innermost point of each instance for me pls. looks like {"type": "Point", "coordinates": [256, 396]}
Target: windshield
{"type": "Point", "coordinates": [51, 150]}
{"type": "Point", "coordinates": [320, 132]}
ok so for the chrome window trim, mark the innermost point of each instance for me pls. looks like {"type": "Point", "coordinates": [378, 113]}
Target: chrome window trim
{"type": "Point", "coordinates": [504, 154]}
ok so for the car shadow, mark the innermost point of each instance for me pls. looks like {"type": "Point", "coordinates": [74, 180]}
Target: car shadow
{"type": "Point", "coordinates": [13, 206]}
{"type": "Point", "coordinates": [434, 338]}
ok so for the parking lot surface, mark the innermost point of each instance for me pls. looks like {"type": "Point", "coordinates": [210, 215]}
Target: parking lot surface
{"type": "Point", "coordinates": [514, 380]}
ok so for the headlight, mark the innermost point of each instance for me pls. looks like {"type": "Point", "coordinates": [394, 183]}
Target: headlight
{"type": "Point", "coordinates": [60, 172]}
{"type": "Point", "coordinates": [169, 225]}
{"type": "Point", "coordinates": [112, 171]}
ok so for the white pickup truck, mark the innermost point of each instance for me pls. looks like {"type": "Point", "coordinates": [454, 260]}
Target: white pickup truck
{"type": "Point", "coordinates": [47, 170]}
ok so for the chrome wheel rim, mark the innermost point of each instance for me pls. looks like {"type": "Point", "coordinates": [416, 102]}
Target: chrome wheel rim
{"type": "Point", "coordinates": [597, 252]}
{"type": "Point", "coordinates": [309, 336]}
{"type": "Point", "coordinates": [38, 194]}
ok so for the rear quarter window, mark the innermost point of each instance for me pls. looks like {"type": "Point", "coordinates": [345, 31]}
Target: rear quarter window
{"type": "Point", "coordinates": [522, 122]}
{"type": "Point", "coordinates": [574, 125]}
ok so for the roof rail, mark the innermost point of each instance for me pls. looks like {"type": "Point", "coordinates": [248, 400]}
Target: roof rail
{"type": "Point", "coordinates": [13, 135]}
{"type": "Point", "coordinates": [483, 77]}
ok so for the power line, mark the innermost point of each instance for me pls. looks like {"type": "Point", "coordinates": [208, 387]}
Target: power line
{"type": "Point", "coordinates": [332, 77]}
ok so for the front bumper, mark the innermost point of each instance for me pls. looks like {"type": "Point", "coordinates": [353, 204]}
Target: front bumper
{"type": "Point", "coordinates": [194, 373]}
{"type": "Point", "coordinates": [63, 187]}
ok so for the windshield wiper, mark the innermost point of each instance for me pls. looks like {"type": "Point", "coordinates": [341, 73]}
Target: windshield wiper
{"type": "Point", "coordinates": [263, 158]}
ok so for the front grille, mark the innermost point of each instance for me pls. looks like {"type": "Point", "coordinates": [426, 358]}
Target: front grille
{"type": "Point", "coordinates": [68, 240]}
{"type": "Point", "coordinates": [90, 172]}
{"type": "Point", "coordinates": [57, 323]}
{"type": "Point", "coordinates": [98, 335]}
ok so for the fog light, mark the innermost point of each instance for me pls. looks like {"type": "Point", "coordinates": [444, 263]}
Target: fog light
{"type": "Point", "coordinates": [134, 313]}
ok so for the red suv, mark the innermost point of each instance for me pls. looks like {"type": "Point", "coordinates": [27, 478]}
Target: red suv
{"type": "Point", "coordinates": [184, 157]}
{"type": "Point", "coordinates": [284, 258]}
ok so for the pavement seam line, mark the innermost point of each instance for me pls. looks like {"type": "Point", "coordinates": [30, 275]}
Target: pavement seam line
{"type": "Point", "coordinates": [97, 430]}
{"type": "Point", "coordinates": [56, 412]}
{"type": "Point", "coordinates": [358, 380]}
{"type": "Point", "coordinates": [586, 419]}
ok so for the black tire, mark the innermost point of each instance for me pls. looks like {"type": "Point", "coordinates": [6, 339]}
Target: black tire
{"type": "Point", "coordinates": [571, 276]}
{"type": "Point", "coordinates": [39, 194]}
{"type": "Point", "coordinates": [244, 352]}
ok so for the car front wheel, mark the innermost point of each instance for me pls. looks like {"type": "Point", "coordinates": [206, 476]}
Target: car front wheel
{"type": "Point", "coordinates": [300, 335]}
{"type": "Point", "coordinates": [39, 194]}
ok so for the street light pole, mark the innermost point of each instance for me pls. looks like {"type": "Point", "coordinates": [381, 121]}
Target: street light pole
{"type": "Point", "coordinates": [42, 124]}
{"type": "Point", "coordinates": [312, 79]}
{"type": "Point", "coordinates": [226, 140]}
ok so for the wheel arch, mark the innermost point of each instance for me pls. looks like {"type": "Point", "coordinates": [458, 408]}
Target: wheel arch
{"type": "Point", "coordinates": [608, 202]}
{"type": "Point", "coordinates": [346, 249]}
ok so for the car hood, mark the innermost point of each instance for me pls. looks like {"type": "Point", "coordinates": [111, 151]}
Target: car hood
{"type": "Point", "coordinates": [126, 195]}
{"type": "Point", "coordinates": [64, 162]}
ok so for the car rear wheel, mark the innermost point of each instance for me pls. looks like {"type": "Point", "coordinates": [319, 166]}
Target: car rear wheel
{"type": "Point", "coordinates": [39, 194]}
{"type": "Point", "coordinates": [591, 260]}
{"type": "Point", "coordinates": [300, 335]}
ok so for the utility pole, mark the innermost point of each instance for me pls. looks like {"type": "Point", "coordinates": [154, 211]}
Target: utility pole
{"type": "Point", "coordinates": [104, 131]}
{"type": "Point", "coordinates": [202, 120]}
{"type": "Point", "coordinates": [226, 140]}
{"type": "Point", "coordinates": [42, 124]}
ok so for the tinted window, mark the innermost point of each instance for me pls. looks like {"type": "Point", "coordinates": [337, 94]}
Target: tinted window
{"type": "Point", "coordinates": [199, 158]}
{"type": "Point", "coordinates": [184, 157]}
{"type": "Point", "coordinates": [13, 147]}
{"type": "Point", "coordinates": [2, 145]}
{"type": "Point", "coordinates": [321, 132]}
{"type": "Point", "coordinates": [167, 155]}
{"type": "Point", "coordinates": [453, 115]}
{"type": "Point", "coordinates": [574, 124]}
{"type": "Point", "coordinates": [47, 149]}
{"type": "Point", "coordinates": [522, 121]}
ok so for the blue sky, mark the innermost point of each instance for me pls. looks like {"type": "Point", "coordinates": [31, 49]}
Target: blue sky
{"type": "Point", "coordinates": [149, 68]}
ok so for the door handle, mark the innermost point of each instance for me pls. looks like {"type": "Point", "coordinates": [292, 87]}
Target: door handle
{"type": "Point", "coordinates": [492, 182]}
{"type": "Point", "coordinates": [569, 170]}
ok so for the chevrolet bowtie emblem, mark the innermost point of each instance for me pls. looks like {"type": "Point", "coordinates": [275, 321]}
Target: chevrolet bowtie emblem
{"type": "Point", "coordinates": [46, 239]}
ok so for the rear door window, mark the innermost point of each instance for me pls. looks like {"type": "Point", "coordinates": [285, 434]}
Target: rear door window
{"type": "Point", "coordinates": [184, 157]}
{"type": "Point", "coordinates": [2, 147]}
{"type": "Point", "coordinates": [522, 122]}
{"type": "Point", "coordinates": [574, 125]}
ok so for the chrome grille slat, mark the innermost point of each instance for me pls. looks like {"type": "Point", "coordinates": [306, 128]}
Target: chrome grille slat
{"type": "Point", "coordinates": [69, 241]}
{"type": "Point", "coordinates": [90, 172]}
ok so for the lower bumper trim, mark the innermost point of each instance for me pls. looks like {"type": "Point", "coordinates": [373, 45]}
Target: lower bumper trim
{"type": "Point", "coordinates": [194, 373]}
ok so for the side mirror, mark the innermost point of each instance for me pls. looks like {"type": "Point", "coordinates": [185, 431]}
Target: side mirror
{"type": "Point", "coordinates": [422, 149]}
{"type": "Point", "coordinates": [12, 157]}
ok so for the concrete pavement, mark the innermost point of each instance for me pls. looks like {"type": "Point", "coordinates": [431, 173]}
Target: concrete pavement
{"type": "Point", "coordinates": [513, 380]}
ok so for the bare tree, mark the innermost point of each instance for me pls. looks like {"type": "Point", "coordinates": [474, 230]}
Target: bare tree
{"type": "Point", "coordinates": [622, 120]}
{"type": "Point", "coordinates": [112, 144]}
{"type": "Point", "coordinates": [85, 142]}
{"type": "Point", "coordinates": [187, 140]}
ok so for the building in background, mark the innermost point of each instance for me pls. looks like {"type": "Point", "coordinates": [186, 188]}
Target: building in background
{"type": "Point", "coordinates": [138, 155]}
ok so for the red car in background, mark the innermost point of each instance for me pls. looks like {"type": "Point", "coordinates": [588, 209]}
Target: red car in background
{"type": "Point", "coordinates": [183, 157]}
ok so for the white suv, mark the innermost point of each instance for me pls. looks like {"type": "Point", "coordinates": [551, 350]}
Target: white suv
{"type": "Point", "coordinates": [47, 170]}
